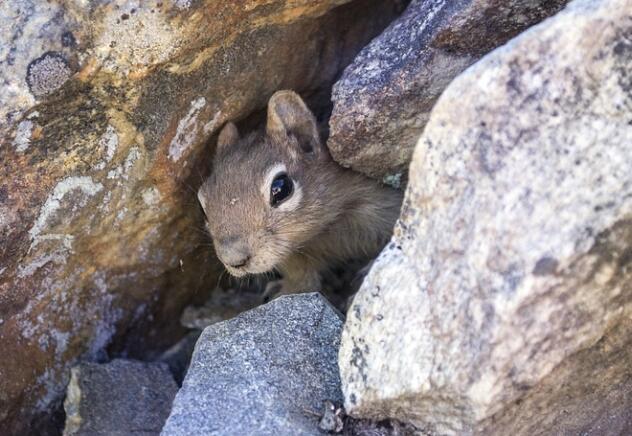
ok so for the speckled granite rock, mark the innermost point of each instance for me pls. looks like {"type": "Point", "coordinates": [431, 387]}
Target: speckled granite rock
{"type": "Point", "coordinates": [265, 372]}
{"type": "Point", "coordinates": [384, 98]}
{"type": "Point", "coordinates": [105, 112]}
{"type": "Point", "coordinates": [503, 303]}
{"type": "Point", "coordinates": [122, 397]}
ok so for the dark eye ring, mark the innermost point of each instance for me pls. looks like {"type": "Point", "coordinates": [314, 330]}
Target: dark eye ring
{"type": "Point", "coordinates": [281, 189]}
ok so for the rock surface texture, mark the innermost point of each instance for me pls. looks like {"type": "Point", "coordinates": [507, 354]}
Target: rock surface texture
{"type": "Point", "coordinates": [265, 372]}
{"type": "Point", "coordinates": [122, 397]}
{"type": "Point", "coordinates": [503, 304]}
{"type": "Point", "coordinates": [384, 98]}
{"type": "Point", "coordinates": [105, 112]}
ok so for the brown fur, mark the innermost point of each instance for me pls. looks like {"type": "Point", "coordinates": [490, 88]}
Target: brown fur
{"type": "Point", "coordinates": [341, 214]}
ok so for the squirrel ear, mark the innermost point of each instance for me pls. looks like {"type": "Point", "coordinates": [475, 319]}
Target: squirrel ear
{"type": "Point", "coordinates": [288, 115]}
{"type": "Point", "coordinates": [229, 135]}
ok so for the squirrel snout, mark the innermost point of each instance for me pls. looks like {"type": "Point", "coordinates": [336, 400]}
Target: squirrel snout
{"type": "Point", "coordinates": [234, 254]}
{"type": "Point", "coordinates": [240, 263]}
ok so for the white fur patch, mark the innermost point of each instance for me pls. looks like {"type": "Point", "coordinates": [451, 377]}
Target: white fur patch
{"type": "Point", "coordinates": [201, 199]}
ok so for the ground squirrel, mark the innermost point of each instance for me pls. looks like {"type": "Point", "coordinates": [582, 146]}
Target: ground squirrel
{"type": "Point", "coordinates": [276, 200]}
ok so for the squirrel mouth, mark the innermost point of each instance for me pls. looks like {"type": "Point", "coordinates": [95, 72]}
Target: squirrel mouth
{"type": "Point", "coordinates": [236, 272]}
{"type": "Point", "coordinates": [250, 269]}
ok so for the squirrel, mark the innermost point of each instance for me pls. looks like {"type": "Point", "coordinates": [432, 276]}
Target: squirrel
{"type": "Point", "coordinates": [276, 201]}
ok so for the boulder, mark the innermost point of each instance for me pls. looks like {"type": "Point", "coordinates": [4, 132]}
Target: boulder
{"type": "Point", "coordinates": [383, 100]}
{"type": "Point", "coordinates": [105, 112]}
{"type": "Point", "coordinates": [266, 372]}
{"type": "Point", "coordinates": [503, 303]}
{"type": "Point", "coordinates": [122, 397]}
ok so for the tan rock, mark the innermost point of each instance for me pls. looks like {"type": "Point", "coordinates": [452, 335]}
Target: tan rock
{"type": "Point", "coordinates": [503, 303]}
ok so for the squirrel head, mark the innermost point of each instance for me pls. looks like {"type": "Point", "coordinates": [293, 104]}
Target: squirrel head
{"type": "Point", "coordinates": [270, 192]}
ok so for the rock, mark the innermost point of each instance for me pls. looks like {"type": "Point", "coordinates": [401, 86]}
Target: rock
{"type": "Point", "coordinates": [122, 397]}
{"type": "Point", "coordinates": [331, 419]}
{"type": "Point", "coordinates": [266, 372]}
{"type": "Point", "coordinates": [383, 100]}
{"type": "Point", "coordinates": [503, 303]}
{"type": "Point", "coordinates": [576, 398]}
{"type": "Point", "coordinates": [223, 304]}
{"type": "Point", "coordinates": [106, 110]}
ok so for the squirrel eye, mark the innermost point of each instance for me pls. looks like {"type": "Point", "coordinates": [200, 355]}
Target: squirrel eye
{"type": "Point", "coordinates": [281, 188]}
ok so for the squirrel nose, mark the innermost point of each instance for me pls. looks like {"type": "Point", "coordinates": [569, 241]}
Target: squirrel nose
{"type": "Point", "coordinates": [233, 253]}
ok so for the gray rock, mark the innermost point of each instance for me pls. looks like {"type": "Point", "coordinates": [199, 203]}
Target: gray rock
{"type": "Point", "coordinates": [331, 419]}
{"type": "Point", "coordinates": [119, 398]}
{"type": "Point", "coordinates": [503, 303]}
{"type": "Point", "coordinates": [383, 100]}
{"type": "Point", "coordinates": [266, 372]}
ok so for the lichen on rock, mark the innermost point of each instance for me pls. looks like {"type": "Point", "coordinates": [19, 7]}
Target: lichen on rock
{"type": "Point", "coordinates": [47, 73]}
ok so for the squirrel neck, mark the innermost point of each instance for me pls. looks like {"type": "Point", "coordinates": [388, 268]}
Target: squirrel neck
{"type": "Point", "coordinates": [368, 212]}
